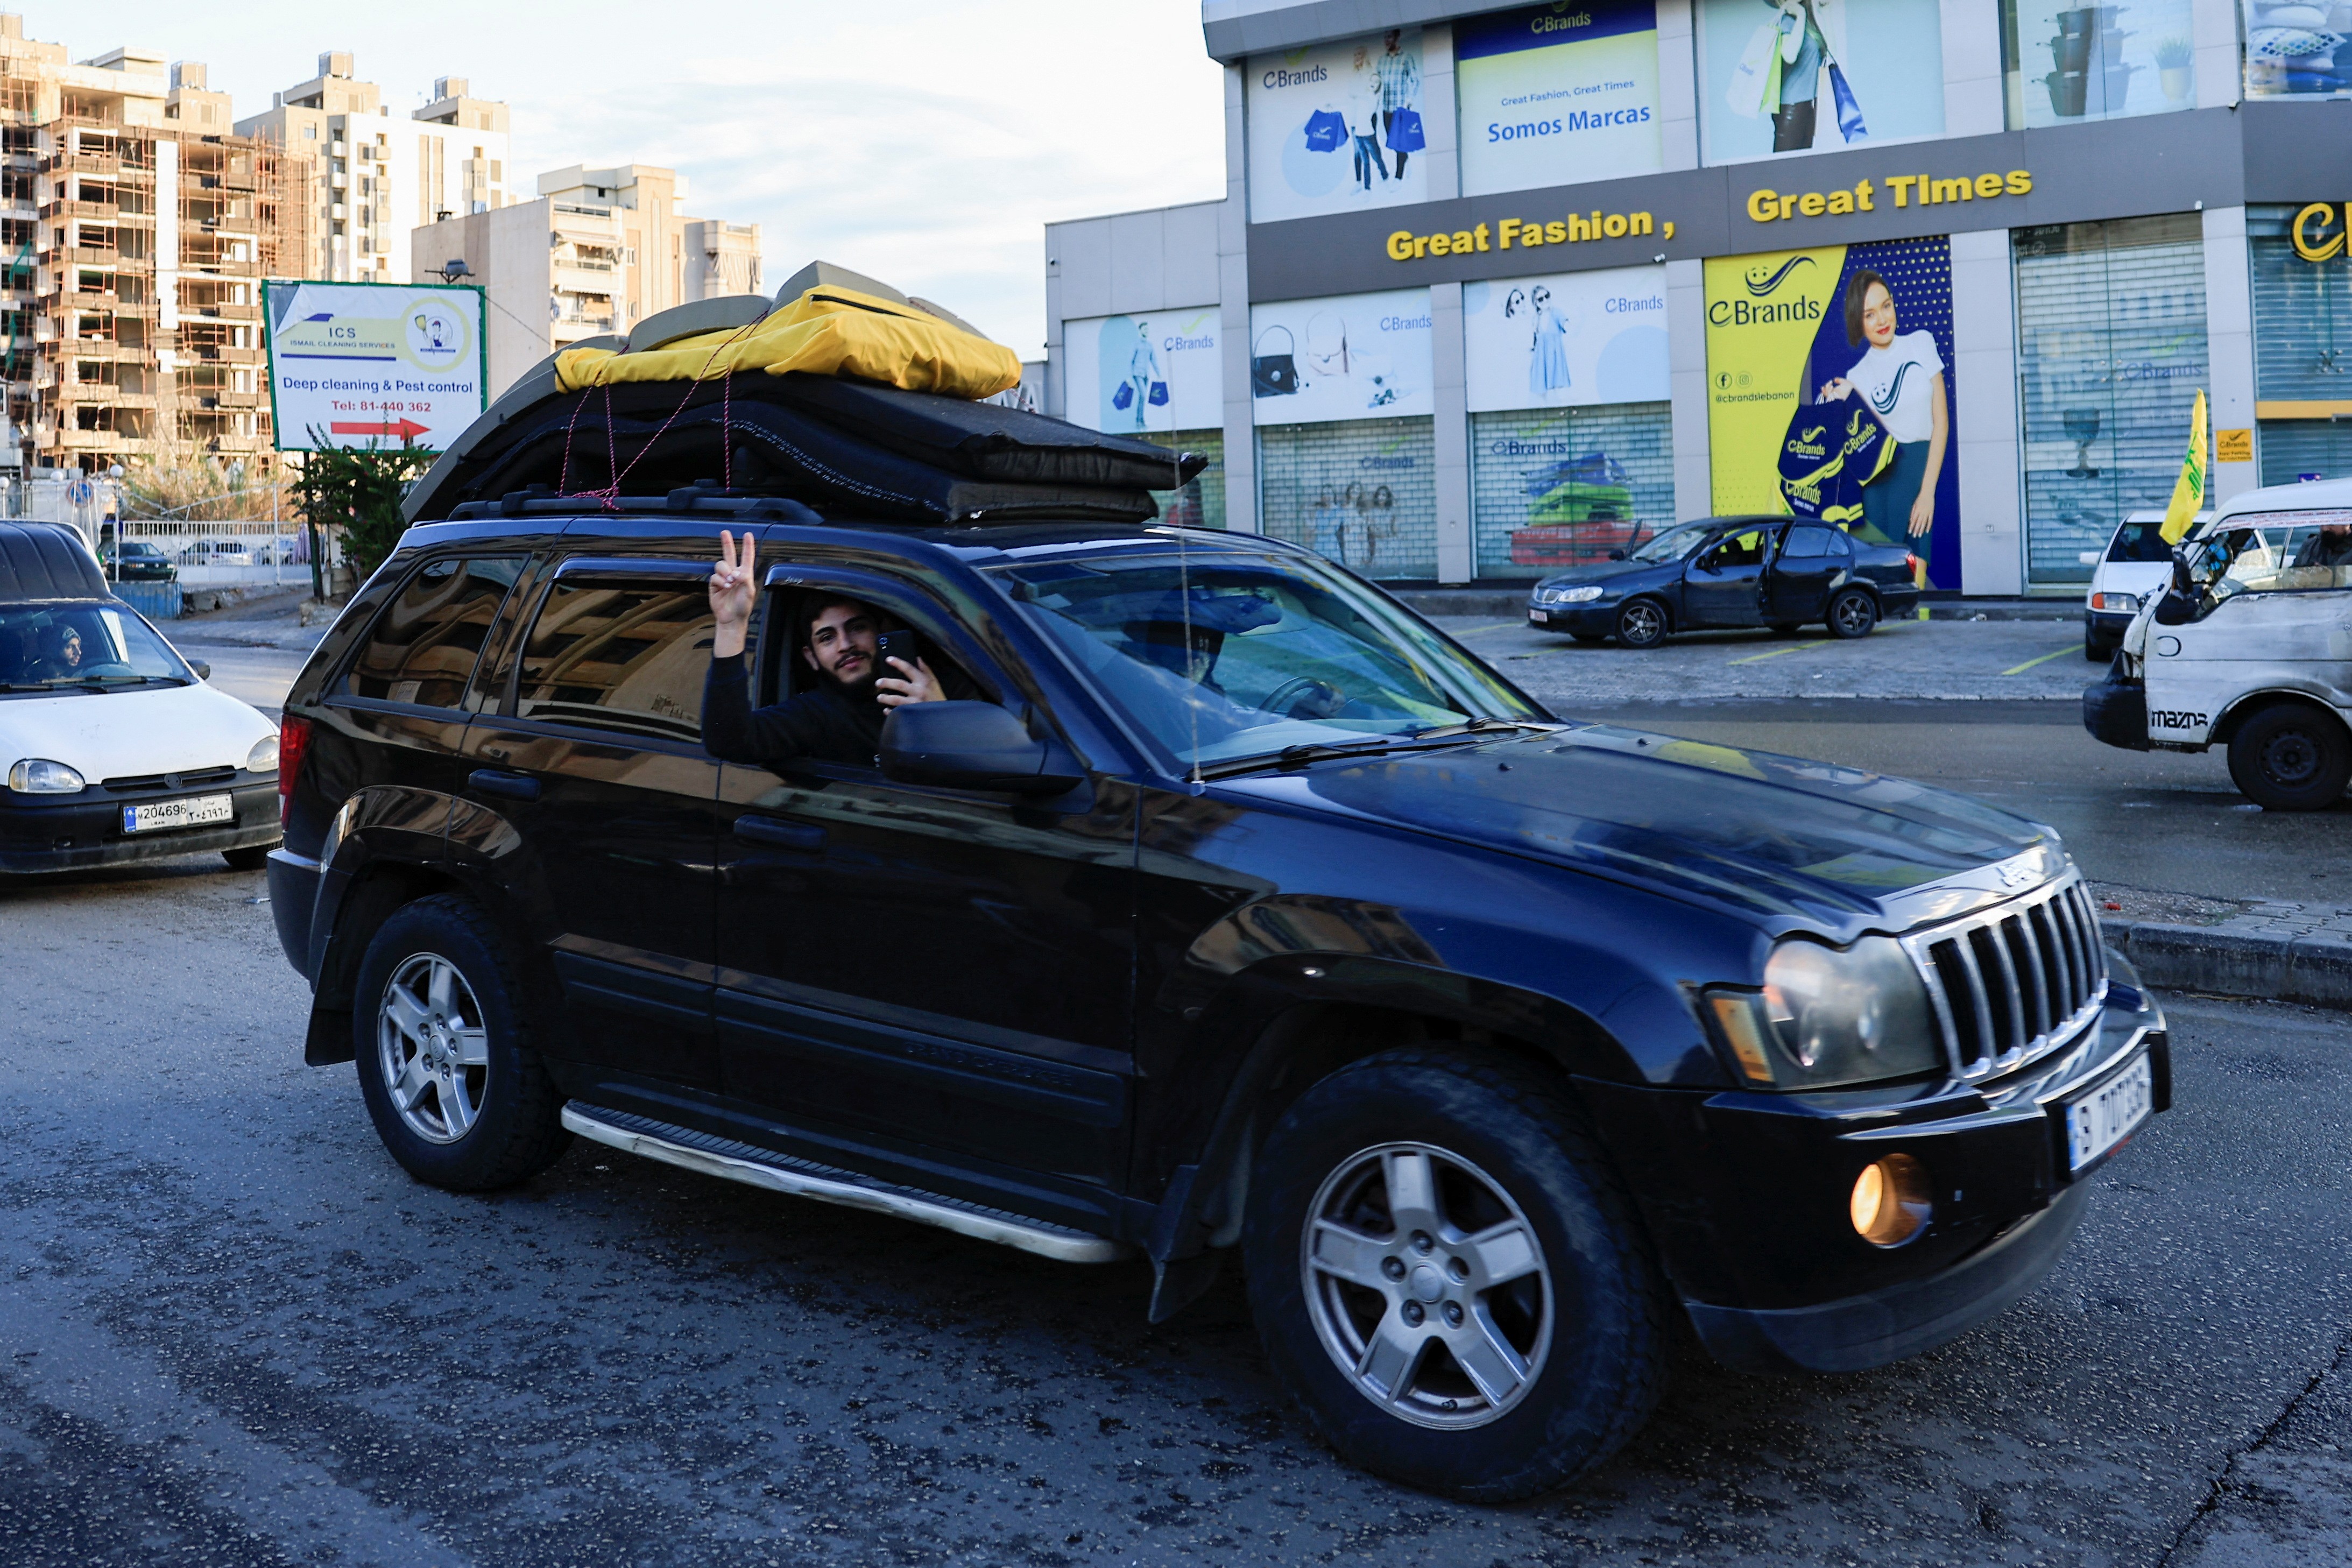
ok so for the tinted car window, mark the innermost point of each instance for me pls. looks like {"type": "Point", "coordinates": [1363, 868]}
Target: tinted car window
{"type": "Point", "coordinates": [1806, 542]}
{"type": "Point", "coordinates": [2139, 541]}
{"type": "Point", "coordinates": [1745, 548]}
{"type": "Point", "coordinates": [423, 645]}
{"type": "Point", "coordinates": [619, 656]}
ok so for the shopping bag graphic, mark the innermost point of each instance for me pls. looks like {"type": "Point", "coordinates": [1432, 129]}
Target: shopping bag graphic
{"type": "Point", "coordinates": [1744, 94]}
{"type": "Point", "coordinates": [1849, 112]}
{"type": "Point", "coordinates": [1158, 398]}
{"type": "Point", "coordinates": [1274, 375]}
{"type": "Point", "coordinates": [1124, 398]}
{"type": "Point", "coordinates": [1404, 131]}
{"type": "Point", "coordinates": [1325, 131]}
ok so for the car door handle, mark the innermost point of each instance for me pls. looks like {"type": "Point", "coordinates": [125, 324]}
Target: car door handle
{"type": "Point", "coordinates": [775, 830]}
{"type": "Point", "coordinates": [494, 781]}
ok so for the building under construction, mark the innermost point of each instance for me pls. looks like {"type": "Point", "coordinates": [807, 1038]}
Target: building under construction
{"type": "Point", "coordinates": [138, 227]}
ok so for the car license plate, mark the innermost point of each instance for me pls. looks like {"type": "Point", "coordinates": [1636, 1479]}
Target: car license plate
{"type": "Point", "coordinates": [1539, 616]}
{"type": "Point", "coordinates": [2104, 1117]}
{"type": "Point", "coordinates": [158, 815]}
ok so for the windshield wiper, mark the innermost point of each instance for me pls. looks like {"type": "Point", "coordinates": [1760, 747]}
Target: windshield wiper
{"type": "Point", "coordinates": [1477, 726]}
{"type": "Point", "coordinates": [1325, 750]}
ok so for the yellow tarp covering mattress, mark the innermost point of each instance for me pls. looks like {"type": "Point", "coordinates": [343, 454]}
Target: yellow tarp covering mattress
{"type": "Point", "coordinates": [826, 332]}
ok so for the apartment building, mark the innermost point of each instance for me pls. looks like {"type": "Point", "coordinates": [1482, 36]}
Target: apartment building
{"type": "Point", "coordinates": [374, 177]}
{"type": "Point", "coordinates": [600, 249]}
{"type": "Point", "coordinates": [137, 227]}
{"type": "Point", "coordinates": [1494, 289]}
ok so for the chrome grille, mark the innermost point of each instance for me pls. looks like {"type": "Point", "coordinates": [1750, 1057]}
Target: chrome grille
{"type": "Point", "coordinates": [2013, 983]}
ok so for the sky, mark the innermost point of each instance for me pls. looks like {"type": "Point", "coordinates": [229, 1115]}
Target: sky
{"type": "Point", "coordinates": [925, 143]}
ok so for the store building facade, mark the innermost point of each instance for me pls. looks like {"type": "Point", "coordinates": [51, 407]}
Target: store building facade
{"type": "Point", "coordinates": [1497, 289]}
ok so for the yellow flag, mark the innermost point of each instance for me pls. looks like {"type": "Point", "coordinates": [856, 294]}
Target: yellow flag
{"type": "Point", "coordinates": [2189, 490]}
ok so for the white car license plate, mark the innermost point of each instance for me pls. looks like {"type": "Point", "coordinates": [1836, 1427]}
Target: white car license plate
{"type": "Point", "coordinates": [1539, 616]}
{"type": "Point", "coordinates": [2106, 1116]}
{"type": "Point", "coordinates": [157, 816]}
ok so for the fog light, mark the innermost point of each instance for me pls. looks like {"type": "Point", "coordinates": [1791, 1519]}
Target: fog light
{"type": "Point", "coordinates": [1890, 1203]}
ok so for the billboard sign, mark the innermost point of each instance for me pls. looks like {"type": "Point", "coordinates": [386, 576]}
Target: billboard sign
{"type": "Point", "coordinates": [1797, 342]}
{"type": "Point", "coordinates": [1549, 95]}
{"type": "Point", "coordinates": [382, 364]}
{"type": "Point", "coordinates": [1159, 371]}
{"type": "Point", "coordinates": [1358, 356]}
{"type": "Point", "coordinates": [1572, 339]}
{"type": "Point", "coordinates": [1334, 127]}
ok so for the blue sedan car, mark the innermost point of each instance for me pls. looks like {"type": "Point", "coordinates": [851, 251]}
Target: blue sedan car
{"type": "Point", "coordinates": [1777, 571]}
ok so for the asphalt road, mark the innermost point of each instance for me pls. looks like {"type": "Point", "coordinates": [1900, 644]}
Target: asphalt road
{"type": "Point", "coordinates": [232, 1332]}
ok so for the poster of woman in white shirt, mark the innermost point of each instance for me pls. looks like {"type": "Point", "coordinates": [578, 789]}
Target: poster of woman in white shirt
{"type": "Point", "coordinates": [1901, 375]}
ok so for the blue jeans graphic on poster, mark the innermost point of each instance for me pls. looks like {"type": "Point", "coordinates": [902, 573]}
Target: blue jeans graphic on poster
{"type": "Point", "coordinates": [1886, 500]}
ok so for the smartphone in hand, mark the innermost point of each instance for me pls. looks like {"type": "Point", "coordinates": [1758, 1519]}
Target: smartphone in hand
{"type": "Point", "coordinates": [889, 645]}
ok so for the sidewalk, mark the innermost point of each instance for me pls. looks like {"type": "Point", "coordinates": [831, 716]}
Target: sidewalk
{"type": "Point", "coordinates": [2233, 947]}
{"type": "Point", "coordinates": [272, 622]}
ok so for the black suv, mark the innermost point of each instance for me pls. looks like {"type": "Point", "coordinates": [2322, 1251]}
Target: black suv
{"type": "Point", "coordinates": [1252, 912]}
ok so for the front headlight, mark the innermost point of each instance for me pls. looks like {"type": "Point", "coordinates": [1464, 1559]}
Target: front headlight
{"type": "Point", "coordinates": [263, 758]}
{"type": "Point", "coordinates": [38, 775]}
{"type": "Point", "coordinates": [1583, 595]}
{"type": "Point", "coordinates": [1827, 1017]}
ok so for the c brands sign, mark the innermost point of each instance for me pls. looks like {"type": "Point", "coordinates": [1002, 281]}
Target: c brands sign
{"type": "Point", "coordinates": [2310, 231]}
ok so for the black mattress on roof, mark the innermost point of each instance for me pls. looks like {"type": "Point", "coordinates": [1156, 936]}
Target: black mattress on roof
{"type": "Point", "coordinates": [835, 444]}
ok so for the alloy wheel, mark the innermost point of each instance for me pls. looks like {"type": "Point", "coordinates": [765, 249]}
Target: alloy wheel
{"type": "Point", "coordinates": [433, 1049]}
{"type": "Point", "coordinates": [1427, 1286]}
{"type": "Point", "coordinates": [1641, 623]}
{"type": "Point", "coordinates": [1854, 615]}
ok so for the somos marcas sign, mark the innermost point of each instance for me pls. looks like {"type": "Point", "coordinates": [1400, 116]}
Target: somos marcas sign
{"type": "Point", "coordinates": [358, 364]}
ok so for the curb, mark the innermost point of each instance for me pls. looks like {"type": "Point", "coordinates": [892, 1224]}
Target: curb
{"type": "Point", "coordinates": [2317, 970]}
{"type": "Point", "coordinates": [1512, 603]}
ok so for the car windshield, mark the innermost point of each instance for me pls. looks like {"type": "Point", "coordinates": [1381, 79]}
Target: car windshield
{"type": "Point", "coordinates": [1233, 656]}
{"type": "Point", "coordinates": [1673, 544]}
{"type": "Point", "coordinates": [2141, 541]}
{"type": "Point", "coordinates": [82, 645]}
{"type": "Point", "coordinates": [2275, 553]}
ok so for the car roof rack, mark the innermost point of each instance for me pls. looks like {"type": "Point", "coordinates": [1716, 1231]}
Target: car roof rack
{"type": "Point", "coordinates": [704, 496]}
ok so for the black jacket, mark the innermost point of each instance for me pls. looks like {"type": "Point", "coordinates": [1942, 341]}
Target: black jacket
{"type": "Point", "coordinates": [821, 724]}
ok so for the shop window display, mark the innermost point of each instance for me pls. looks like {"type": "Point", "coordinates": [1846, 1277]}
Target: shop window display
{"type": "Point", "coordinates": [2300, 50]}
{"type": "Point", "coordinates": [1201, 504]}
{"type": "Point", "coordinates": [1554, 488]}
{"type": "Point", "coordinates": [2111, 352]}
{"type": "Point", "coordinates": [2303, 341]}
{"type": "Point", "coordinates": [2064, 61]}
{"type": "Point", "coordinates": [1362, 492]}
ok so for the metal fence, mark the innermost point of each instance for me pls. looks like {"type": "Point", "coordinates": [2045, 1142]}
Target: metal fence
{"type": "Point", "coordinates": [219, 555]}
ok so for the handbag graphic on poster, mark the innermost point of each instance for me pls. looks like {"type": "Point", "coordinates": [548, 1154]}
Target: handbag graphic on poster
{"type": "Point", "coordinates": [1327, 354]}
{"type": "Point", "coordinates": [1756, 75]}
{"type": "Point", "coordinates": [1274, 375]}
{"type": "Point", "coordinates": [1849, 110]}
{"type": "Point", "coordinates": [1404, 131]}
{"type": "Point", "coordinates": [1158, 398]}
{"type": "Point", "coordinates": [1325, 130]}
{"type": "Point", "coordinates": [1124, 398]}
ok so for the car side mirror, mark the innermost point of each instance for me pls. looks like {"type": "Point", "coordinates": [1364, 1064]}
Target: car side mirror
{"type": "Point", "coordinates": [204, 671]}
{"type": "Point", "coordinates": [1617, 555]}
{"type": "Point", "coordinates": [973, 745]}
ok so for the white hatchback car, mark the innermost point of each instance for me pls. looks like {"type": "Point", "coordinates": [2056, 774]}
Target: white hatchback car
{"type": "Point", "coordinates": [2133, 569]}
{"type": "Point", "coordinates": [114, 748]}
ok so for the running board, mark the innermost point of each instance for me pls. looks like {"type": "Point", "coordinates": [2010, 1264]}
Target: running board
{"type": "Point", "coordinates": [716, 1156]}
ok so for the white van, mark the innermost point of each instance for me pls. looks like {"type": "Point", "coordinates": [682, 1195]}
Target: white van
{"type": "Point", "coordinates": [2249, 646]}
{"type": "Point", "coordinates": [113, 748]}
{"type": "Point", "coordinates": [2133, 568]}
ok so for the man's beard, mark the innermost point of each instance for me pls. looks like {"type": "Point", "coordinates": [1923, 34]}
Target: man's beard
{"type": "Point", "coordinates": [860, 686]}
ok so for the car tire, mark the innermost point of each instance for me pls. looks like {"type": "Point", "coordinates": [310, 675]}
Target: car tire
{"type": "Point", "coordinates": [1852, 613]}
{"type": "Point", "coordinates": [1512, 1165]}
{"type": "Point", "coordinates": [251, 858]}
{"type": "Point", "coordinates": [2291, 757]}
{"type": "Point", "coordinates": [1641, 624]}
{"type": "Point", "coordinates": [2096, 650]}
{"type": "Point", "coordinates": [445, 1066]}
